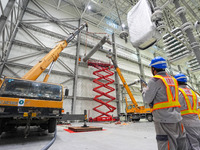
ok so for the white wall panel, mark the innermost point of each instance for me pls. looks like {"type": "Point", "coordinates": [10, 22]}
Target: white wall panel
{"type": "Point", "coordinates": [85, 86]}
{"type": "Point", "coordinates": [67, 103]}
{"type": "Point", "coordinates": [147, 71]}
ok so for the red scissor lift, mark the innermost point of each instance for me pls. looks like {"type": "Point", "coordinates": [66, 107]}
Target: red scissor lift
{"type": "Point", "coordinates": [103, 67]}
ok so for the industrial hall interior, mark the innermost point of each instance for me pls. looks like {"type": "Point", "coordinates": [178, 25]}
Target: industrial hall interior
{"type": "Point", "coordinates": [100, 74]}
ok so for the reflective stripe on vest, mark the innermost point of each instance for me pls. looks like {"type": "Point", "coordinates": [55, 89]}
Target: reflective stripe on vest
{"type": "Point", "coordinates": [189, 109]}
{"type": "Point", "coordinates": [171, 102]}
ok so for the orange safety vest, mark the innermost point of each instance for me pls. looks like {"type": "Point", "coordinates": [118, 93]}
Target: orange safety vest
{"type": "Point", "coordinates": [190, 110]}
{"type": "Point", "coordinates": [171, 101]}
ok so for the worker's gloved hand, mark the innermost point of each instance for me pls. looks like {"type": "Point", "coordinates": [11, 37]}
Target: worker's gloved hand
{"type": "Point", "coordinates": [144, 89]}
{"type": "Point", "coordinates": [143, 84]}
{"type": "Point", "coordinates": [151, 105]}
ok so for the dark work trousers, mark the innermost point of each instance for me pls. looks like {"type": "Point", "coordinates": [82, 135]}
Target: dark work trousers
{"type": "Point", "coordinates": [193, 135]}
{"type": "Point", "coordinates": [171, 136]}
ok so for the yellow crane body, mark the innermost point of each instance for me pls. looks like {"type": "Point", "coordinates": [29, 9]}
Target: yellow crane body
{"type": "Point", "coordinates": [38, 69]}
{"type": "Point", "coordinates": [133, 111]}
{"type": "Point", "coordinates": [26, 102]}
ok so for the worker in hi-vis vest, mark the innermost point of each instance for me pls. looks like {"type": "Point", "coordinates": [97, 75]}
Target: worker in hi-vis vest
{"type": "Point", "coordinates": [161, 93]}
{"type": "Point", "coordinates": [191, 122]}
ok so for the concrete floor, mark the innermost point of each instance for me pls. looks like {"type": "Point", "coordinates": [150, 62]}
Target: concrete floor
{"type": "Point", "coordinates": [133, 136]}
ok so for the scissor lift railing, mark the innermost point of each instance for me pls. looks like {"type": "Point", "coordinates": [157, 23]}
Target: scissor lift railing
{"type": "Point", "coordinates": [103, 68]}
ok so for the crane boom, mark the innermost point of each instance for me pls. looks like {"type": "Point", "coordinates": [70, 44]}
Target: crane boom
{"type": "Point", "coordinates": [53, 55]}
{"type": "Point", "coordinates": [134, 112]}
{"type": "Point", "coordinates": [123, 80]}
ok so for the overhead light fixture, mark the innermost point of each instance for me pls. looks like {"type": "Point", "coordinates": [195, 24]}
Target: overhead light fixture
{"type": "Point", "coordinates": [89, 7]}
{"type": "Point", "coordinates": [123, 25]}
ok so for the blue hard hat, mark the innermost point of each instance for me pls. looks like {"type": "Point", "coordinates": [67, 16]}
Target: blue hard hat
{"type": "Point", "coordinates": [158, 62]}
{"type": "Point", "coordinates": [180, 77]}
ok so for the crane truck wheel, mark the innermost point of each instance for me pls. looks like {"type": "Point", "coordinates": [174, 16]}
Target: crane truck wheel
{"type": "Point", "coordinates": [135, 120]}
{"type": "Point", "coordinates": [3, 123]}
{"type": "Point", "coordinates": [52, 125]}
{"type": "Point", "coordinates": [1, 126]}
{"type": "Point", "coordinates": [44, 126]}
{"type": "Point", "coordinates": [10, 127]}
{"type": "Point", "coordinates": [150, 118]}
{"type": "Point", "coordinates": [129, 118]}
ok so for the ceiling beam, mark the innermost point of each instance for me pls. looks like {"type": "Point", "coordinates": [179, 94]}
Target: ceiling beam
{"type": "Point", "coordinates": [59, 2]}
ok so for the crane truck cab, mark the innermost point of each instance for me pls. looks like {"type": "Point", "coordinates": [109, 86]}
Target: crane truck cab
{"type": "Point", "coordinates": [140, 112]}
{"type": "Point", "coordinates": [135, 114]}
{"type": "Point", "coordinates": [25, 102]}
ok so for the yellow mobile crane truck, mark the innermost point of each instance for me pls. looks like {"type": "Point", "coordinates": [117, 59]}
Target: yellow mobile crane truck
{"type": "Point", "coordinates": [26, 102]}
{"type": "Point", "coordinates": [134, 112]}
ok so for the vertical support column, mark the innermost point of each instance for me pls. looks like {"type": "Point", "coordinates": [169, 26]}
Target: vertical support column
{"type": "Point", "coordinates": [10, 43]}
{"type": "Point", "coordinates": [123, 98]}
{"type": "Point", "coordinates": [117, 87]}
{"type": "Point", "coordinates": [179, 68]}
{"type": "Point", "coordinates": [6, 14]}
{"type": "Point", "coordinates": [140, 64]}
{"type": "Point", "coordinates": [188, 73]}
{"type": "Point", "coordinates": [170, 68]}
{"type": "Point", "coordinates": [141, 67]}
{"type": "Point", "coordinates": [154, 54]}
{"type": "Point", "coordinates": [75, 83]}
{"type": "Point", "coordinates": [195, 46]}
{"type": "Point", "coordinates": [197, 83]}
